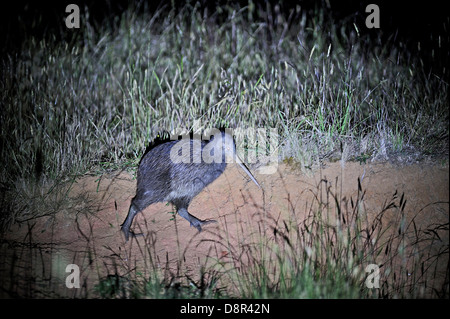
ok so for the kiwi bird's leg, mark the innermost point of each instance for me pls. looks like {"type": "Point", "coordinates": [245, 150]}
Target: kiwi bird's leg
{"type": "Point", "coordinates": [182, 205]}
{"type": "Point", "coordinates": [125, 227]}
{"type": "Point", "coordinates": [194, 221]}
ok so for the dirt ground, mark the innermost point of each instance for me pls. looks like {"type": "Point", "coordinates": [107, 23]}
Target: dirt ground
{"type": "Point", "coordinates": [86, 229]}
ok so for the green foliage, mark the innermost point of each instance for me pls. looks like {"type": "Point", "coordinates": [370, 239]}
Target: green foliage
{"type": "Point", "coordinates": [70, 107]}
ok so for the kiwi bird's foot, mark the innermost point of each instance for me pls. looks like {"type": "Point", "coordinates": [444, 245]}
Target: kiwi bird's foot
{"type": "Point", "coordinates": [129, 233]}
{"type": "Point", "coordinates": [199, 223]}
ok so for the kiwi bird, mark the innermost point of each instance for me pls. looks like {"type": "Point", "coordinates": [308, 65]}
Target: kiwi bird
{"type": "Point", "coordinates": [177, 171]}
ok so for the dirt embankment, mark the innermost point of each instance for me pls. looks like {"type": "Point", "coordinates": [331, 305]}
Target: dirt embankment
{"type": "Point", "coordinates": [86, 231]}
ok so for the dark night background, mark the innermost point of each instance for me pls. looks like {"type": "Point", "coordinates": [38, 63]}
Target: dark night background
{"type": "Point", "coordinates": [401, 21]}
{"type": "Point", "coordinates": [411, 29]}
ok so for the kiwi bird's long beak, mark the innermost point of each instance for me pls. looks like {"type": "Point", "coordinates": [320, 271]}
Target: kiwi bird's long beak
{"type": "Point", "coordinates": [242, 165]}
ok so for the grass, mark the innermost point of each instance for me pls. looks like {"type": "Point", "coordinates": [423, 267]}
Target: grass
{"type": "Point", "coordinates": [324, 254]}
{"type": "Point", "coordinates": [319, 84]}
{"type": "Point", "coordinates": [93, 103]}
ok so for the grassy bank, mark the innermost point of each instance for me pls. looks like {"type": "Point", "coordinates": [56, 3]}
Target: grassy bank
{"type": "Point", "coordinates": [332, 247]}
{"type": "Point", "coordinates": [100, 99]}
